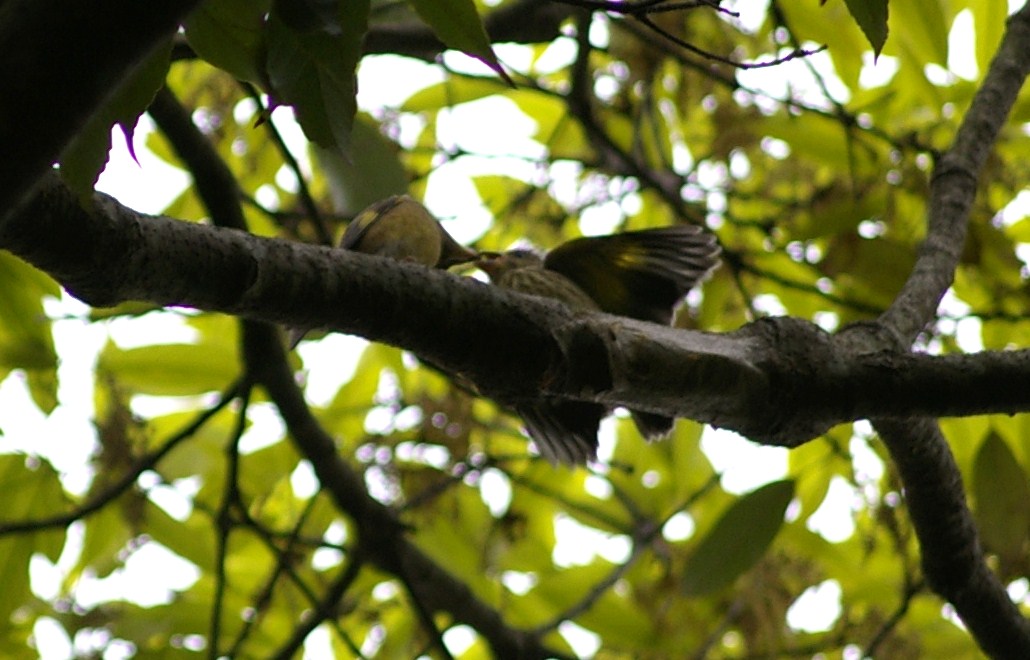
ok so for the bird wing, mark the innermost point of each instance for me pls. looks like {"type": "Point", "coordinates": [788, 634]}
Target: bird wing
{"type": "Point", "coordinates": [358, 227]}
{"type": "Point", "coordinates": [640, 274]}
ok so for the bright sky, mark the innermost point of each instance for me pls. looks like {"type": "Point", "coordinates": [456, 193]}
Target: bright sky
{"type": "Point", "coordinates": [150, 185]}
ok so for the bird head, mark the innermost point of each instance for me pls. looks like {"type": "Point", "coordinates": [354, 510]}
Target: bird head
{"type": "Point", "coordinates": [496, 264]}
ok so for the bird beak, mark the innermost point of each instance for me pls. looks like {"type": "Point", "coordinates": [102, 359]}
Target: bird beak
{"type": "Point", "coordinates": [457, 254]}
{"type": "Point", "coordinates": [489, 262]}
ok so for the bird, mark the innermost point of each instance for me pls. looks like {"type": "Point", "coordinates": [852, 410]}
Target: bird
{"type": "Point", "coordinates": [401, 228]}
{"type": "Point", "coordinates": [641, 274]}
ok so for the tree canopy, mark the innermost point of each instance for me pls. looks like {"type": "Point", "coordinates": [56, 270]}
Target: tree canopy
{"type": "Point", "coordinates": [864, 172]}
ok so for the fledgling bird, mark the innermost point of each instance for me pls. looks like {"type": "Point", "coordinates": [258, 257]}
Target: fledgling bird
{"type": "Point", "coordinates": [640, 274]}
{"type": "Point", "coordinates": [400, 228]}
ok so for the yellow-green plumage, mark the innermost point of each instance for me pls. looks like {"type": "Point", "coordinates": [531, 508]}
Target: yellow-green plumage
{"type": "Point", "coordinates": [400, 228]}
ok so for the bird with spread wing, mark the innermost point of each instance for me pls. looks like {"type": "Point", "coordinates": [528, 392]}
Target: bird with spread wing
{"type": "Point", "coordinates": [639, 274]}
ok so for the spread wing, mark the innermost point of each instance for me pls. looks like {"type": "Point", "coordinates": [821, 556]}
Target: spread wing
{"type": "Point", "coordinates": [639, 274]}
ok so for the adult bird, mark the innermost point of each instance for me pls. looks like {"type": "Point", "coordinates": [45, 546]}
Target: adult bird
{"type": "Point", "coordinates": [400, 228]}
{"type": "Point", "coordinates": [640, 274]}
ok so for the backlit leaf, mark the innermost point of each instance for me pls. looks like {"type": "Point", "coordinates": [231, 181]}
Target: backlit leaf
{"type": "Point", "coordinates": [1002, 499]}
{"type": "Point", "coordinates": [85, 157]}
{"type": "Point", "coordinates": [170, 369]}
{"type": "Point", "coordinates": [871, 16]}
{"type": "Point", "coordinates": [457, 24]}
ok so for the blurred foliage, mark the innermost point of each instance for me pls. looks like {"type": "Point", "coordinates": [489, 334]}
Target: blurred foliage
{"type": "Point", "coordinates": [814, 175]}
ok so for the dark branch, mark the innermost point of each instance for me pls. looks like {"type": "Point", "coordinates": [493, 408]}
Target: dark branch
{"type": "Point", "coordinates": [953, 560]}
{"type": "Point", "coordinates": [111, 492]}
{"type": "Point", "coordinates": [794, 54]}
{"type": "Point", "coordinates": [215, 183]}
{"type": "Point", "coordinates": [954, 183]}
{"type": "Point", "coordinates": [777, 381]}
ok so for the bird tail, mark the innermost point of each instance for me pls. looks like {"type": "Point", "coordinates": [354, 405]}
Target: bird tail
{"type": "Point", "coordinates": [565, 432]}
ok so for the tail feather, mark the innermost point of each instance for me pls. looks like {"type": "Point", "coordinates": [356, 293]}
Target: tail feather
{"type": "Point", "coordinates": [565, 432]}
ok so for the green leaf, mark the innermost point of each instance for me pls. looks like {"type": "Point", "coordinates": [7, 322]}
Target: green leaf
{"type": "Point", "coordinates": [106, 534]}
{"type": "Point", "coordinates": [556, 129]}
{"type": "Point", "coordinates": [191, 539]}
{"type": "Point", "coordinates": [266, 467]}
{"type": "Point", "coordinates": [32, 491]}
{"type": "Point", "coordinates": [310, 15]}
{"type": "Point", "coordinates": [454, 533]}
{"type": "Point", "coordinates": [813, 466]}
{"type": "Point", "coordinates": [457, 24]}
{"type": "Point", "coordinates": [203, 456]}
{"type": "Point", "coordinates": [86, 155]}
{"type": "Point", "coordinates": [619, 616]}
{"type": "Point", "coordinates": [830, 26]}
{"type": "Point", "coordinates": [922, 37]}
{"type": "Point", "coordinates": [130, 308]}
{"type": "Point", "coordinates": [1002, 499]}
{"type": "Point", "coordinates": [42, 384]}
{"type": "Point", "coordinates": [315, 73]}
{"type": "Point", "coordinates": [25, 333]}
{"type": "Point", "coordinates": [871, 16]}
{"type": "Point", "coordinates": [989, 22]}
{"type": "Point", "coordinates": [372, 172]}
{"type": "Point", "coordinates": [170, 369]}
{"type": "Point", "coordinates": [738, 539]}
{"type": "Point", "coordinates": [230, 35]}
{"type": "Point", "coordinates": [452, 92]}
{"type": "Point", "coordinates": [824, 143]}
{"type": "Point", "coordinates": [528, 526]}
{"type": "Point", "coordinates": [345, 414]}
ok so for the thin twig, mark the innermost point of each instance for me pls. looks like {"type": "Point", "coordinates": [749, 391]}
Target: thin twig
{"type": "Point", "coordinates": [224, 523]}
{"type": "Point", "coordinates": [113, 491]}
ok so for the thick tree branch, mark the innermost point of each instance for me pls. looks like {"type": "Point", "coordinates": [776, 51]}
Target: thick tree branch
{"type": "Point", "coordinates": [777, 381]}
{"type": "Point", "coordinates": [108, 254]}
{"type": "Point", "coordinates": [59, 59]}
